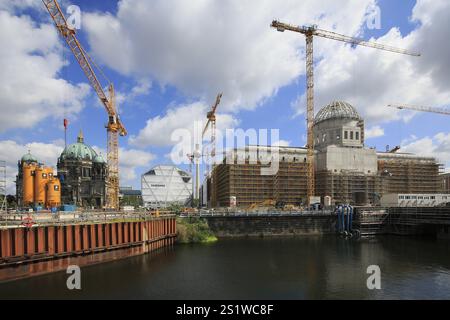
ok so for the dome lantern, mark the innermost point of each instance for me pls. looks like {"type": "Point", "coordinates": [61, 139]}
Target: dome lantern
{"type": "Point", "coordinates": [80, 138]}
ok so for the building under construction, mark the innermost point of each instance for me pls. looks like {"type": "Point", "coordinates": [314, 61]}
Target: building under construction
{"type": "Point", "coordinates": [345, 169]}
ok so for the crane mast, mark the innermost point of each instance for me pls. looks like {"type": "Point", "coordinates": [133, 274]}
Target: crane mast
{"type": "Point", "coordinates": [211, 116]}
{"type": "Point", "coordinates": [114, 126]}
{"type": "Point", "coordinates": [310, 32]}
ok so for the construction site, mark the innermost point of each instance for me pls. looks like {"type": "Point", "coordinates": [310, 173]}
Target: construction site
{"type": "Point", "coordinates": [331, 185]}
{"type": "Point", "coordinates": [345, 171]}
{"type": "Point", "coordinates": [334, 167]}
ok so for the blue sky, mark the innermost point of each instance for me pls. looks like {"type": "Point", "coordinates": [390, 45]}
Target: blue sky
{"type": "Point", "coordinates": [175, 66]}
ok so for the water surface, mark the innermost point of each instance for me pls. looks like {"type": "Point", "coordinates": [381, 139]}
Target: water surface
{"type": "Point", "coordinates": [276, 268]}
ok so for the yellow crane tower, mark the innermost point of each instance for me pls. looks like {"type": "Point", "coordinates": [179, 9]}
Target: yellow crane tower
{"type": "Point", "coordinates": [421, 108]}
{"type": "Point", "coordinates": [310, 32]}
{"type": "Point", "coordinates": [114, 126]}
{"type": "Point", "coordinates": [211, 116]}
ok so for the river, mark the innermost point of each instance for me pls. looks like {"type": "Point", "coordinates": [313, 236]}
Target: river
{"type": "Point", "coordinates": [272, 268]}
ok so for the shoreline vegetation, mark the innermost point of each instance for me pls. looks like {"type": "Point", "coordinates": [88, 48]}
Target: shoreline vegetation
{"type": "Point", "coordinates": [194, 230]}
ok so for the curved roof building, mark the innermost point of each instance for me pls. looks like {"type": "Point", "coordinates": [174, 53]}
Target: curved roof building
{"type": "Point", "coordinates": [83, 175]}
{"type": "Point", "coordinates": [164, 185]}
{"type": "Point", "coordinates": [80, 151]}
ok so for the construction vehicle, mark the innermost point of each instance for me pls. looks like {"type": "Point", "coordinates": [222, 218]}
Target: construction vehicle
{"type": "Point", "coordinates": [114, 126]}
{"type": "Point", "coordinates": [310, 32]}
{"type": "Point", "coordinates": [269, 203]}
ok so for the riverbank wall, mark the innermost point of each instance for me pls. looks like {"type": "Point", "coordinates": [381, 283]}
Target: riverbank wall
{"type": "Point", "coordinates": [406, 221]}
{"type": "Point", "coordinates": [367, 221]}
{"type": "Point", "coordinates": [50, 248]}
{"type": "Point", "coordinates": [272, 225]}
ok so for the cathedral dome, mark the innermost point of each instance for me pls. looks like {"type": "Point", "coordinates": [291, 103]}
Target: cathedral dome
{"type": "Point", "coordinates": [337, 110]}
{"type": "Point", "coordinates": [80, 151]}
{"type": "Point", "coordinates": [99, 159]}
{"type": "Point", "coordinates": [28, 158]}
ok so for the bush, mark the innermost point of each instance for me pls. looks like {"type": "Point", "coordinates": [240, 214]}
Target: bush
{"type": "Point", "coordinates": [194, 230]}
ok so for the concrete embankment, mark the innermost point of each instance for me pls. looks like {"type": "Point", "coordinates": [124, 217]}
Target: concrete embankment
{"type": "Point", "coordinates": [272, 225]}
{"type": "Point", "coordinates": [426, 221]}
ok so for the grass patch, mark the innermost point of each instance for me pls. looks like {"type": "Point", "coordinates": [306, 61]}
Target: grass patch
{"type": "Point", "coordinates": [194, 230]}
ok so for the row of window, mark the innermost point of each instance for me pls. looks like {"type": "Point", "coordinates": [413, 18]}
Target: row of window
{"type": "Point", "coordinates": [420, 197]}
{"type": "Point", "coordinates": [352, 134]}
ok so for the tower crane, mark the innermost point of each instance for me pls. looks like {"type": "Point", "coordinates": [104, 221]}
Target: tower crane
{"type": "Point", "coordinates": [191, 163]}
{"type": "Point", "coordinates": [211, 116]}
{"type": "Point", "coordinates": [194, 158]}
{"type": "Point", "coordinates": [310, 32]}
{"type": "Point", "coordinates": [114, 126]}
{"type": "Point", "coordinates": [421, 108]}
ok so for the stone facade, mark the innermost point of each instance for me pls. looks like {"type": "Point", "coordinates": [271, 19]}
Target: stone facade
{"type": "Point", "coordinates": [83, 176]}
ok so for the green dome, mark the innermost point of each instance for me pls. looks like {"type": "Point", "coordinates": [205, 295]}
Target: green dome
{"type": "Point", "coordinates": [99, 159]}
{"type": "Point", "coordinates": [29, 158]}
{"type": "Point", "coordinates": [79, 151]}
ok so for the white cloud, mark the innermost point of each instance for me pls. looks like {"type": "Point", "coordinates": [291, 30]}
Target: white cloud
{"type": "Point", "coordinates": [371, 79]}
{"type": "Point", "coordinates": [141, 88]}
{"type": "Point", "coordinates": [159, 130]}
{"type": "Point", "coordinates": [207, 46]}
{"type": "Point", "coordinates": [437, 146]}
{"type": "Point", "coordinates": [11, 5]}
{"type": "Point", "coordinates": [374, 132]}
{"type": "Point", "coordinates": [130, 160]}
{"type": "Point", "coordinates": [30, 87]}
{"type": "Point", "coordinates": [281, 143]}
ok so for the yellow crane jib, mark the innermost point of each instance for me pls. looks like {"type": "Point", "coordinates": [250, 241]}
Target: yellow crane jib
{"type": "Point", "coordinates": [114, 126]}
{"type": "Point", "coordinates": [421, 108]}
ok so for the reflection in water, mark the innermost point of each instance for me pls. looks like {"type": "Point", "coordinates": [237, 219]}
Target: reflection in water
{"type": "Point", "coordinates": [278, 268]}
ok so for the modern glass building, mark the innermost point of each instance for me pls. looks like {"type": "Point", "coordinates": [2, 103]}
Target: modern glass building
{"type": "Point", "coordinates": [164, 185]}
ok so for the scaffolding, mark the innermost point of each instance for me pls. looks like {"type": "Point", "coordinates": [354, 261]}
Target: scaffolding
{"type": "Point", "coordinates": [349, 187]}
{"type": "Point", "coordinates": [290, 185]}
{"type": "Point", "coordinates": [249, 186]}
{"type": "Point", "coordinates": [410, 176]}
{"type": "Point", "coordinates": [3, 202]}
{"type": "Point", "coordinates": [397, 173]}
{"type": "Point", "coordinates": [243, 181]}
